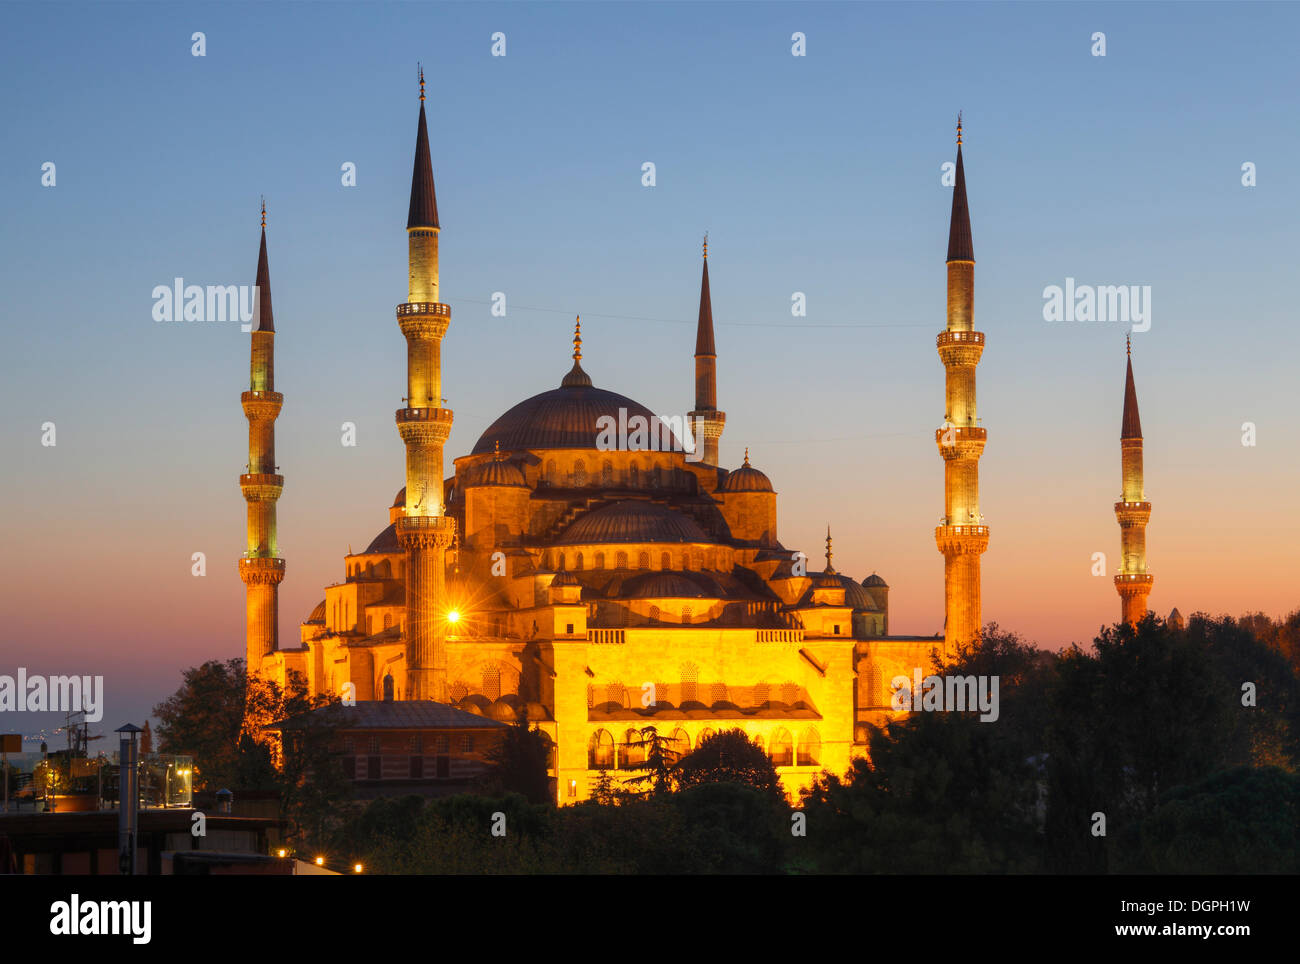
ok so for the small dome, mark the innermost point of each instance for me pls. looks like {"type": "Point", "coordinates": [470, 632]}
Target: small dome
{"type": "Point", "coordinates": [399, 500]}
{"type": "Point", "coordinates": [747, 479]}
{"type": "Point", "coordinates": [827, 580]}
{"type": "Point", "coordinates": [632, 521]}
{"type": "Point", "coordinates": [565, 578]}
{"type": "Point", "coordinates": [873, 581]}
{"type": "Point", "coordinates": [497, 472]}
{"type": "Point", "coordinates": [662, 585]}
{"type": "Point", "coordinates": [386, 541]}
{"type": "Point", "coordinates": [318, 614]}
{"type": "Point", "coordinates": [857, 597]}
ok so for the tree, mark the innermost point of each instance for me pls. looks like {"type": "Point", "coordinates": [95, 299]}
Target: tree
{"type": "Point", "coordinates": [520, 764]}
{"type": "Point", "coordinates": [729, 757]}
{"type": "Point", "coordinates": [656, 772]}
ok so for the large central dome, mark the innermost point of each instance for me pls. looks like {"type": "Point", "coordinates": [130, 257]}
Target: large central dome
{"type": "Point", "coordinates": [564, 418]}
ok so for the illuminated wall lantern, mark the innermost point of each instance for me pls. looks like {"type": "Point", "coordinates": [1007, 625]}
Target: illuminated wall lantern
{"type": "Point", "coordinates": [573, 788]}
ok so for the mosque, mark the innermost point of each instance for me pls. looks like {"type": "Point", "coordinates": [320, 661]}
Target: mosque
{"type": "Point", "coordinates": [607, 589]}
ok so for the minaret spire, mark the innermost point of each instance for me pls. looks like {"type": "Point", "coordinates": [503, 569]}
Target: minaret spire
{"type": "Point", "coordinates": [1132, 582]}
{"type": "Point", "coordinates": [829, 553]}
{"type": "Point", "coordinates": [260, 567]}
{"type": "Point", "coordinates": [424, 531]}
{"type": "Point", "coordinates": [707, 422]}
{"type": "Point", "coordinates": [962, 536]}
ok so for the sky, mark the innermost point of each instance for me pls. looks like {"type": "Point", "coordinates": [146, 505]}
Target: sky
{"type": "Point", "coordinates": [820, 174]}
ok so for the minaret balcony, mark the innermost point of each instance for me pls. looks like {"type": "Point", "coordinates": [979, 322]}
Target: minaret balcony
{"type": "Point", "coordinates": [261, 486]}
{"type": "Point", "coordinates": [961, 443]}
{"type": "Point", "coordinates": [1132, 513]}
{"type": "Point", "coordinates": [960, 349]}
{"type": "Point", "coordinates": [423, 320]}
{"type": "Point", "coordinates": [261, 570]}
{"type": "Point", "coordinates": [424, 426]}
{"type": "Point", "coordinates": [261, 405]}
{"type": "Point", "coordinates": [1129, 584]}
{"type": "Point", "coordinates": [962, 539]}
{"type": "Point", "coordinates": [426, 531]}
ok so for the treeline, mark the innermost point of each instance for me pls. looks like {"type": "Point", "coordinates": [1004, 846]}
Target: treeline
{"type": "Point", "coordinates": [1159, 749]}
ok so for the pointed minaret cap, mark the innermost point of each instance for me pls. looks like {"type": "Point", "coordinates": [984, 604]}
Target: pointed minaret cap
{"type": "Point", "coordinates": [960, 246]}
{"type": "Point", "coordinates": [704, 329]}
{"type": "Point", "coordinates": [576, 378]}
{"type": "Point", "coordinates": [829, 553]}
{"type": "Point", "coordinates": [1132, 427]}
{"type": "Point", "coordinates": [424, 201]}
{"type": "Point", "coordinates": [265, 316]}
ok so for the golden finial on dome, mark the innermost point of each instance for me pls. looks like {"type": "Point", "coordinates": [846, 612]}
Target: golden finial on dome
{"type": "Point", "coordinates": [496, 450]}
{"type": "Point", "coordinates": [420, 68]}
{"type": "Point", "coordinates": [746, 454]}
{"type": "Point", "coordinates": [577, 338]}
{"type": "Point", "coordinates": [829, 553]}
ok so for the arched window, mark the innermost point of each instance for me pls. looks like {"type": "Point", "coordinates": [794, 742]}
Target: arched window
{"type": "Point", "coordinates": [633, 748]}
{"type": "Point", "coordinates": [600, 751]}
{"type": "Point", "coordinates": [654, 614]}
{"type": "Point", "coordinates": [762, 693]}
{"type": "Point", "coordinates": [686, 615]}
{"type": "Point", "coordinates": [690, 682]}
{"type": "Point", "coordinates": [810, 748]}
{"type": "Point", "coordinates": [551, 475]}
{"type": "Point", "coordinates": [600, 560]}
{"type": "Point", "coordinates": [704, 735]}
{"type": "Point", "coordinates": [782, 748]}
{"type": "Point", "coordinates": [616, 694]}
{"type": "Point", "coordinates": [492, 681]}
{"type": "Point", "coordinates": [458, 691]}
{"type": "Point", "coordinates": [579, 472]}
{"type": "Point", "coordinates": [643, 561]}
{"type": "Point", "coordinates": [665, 561]}
{"type": "Point", "coordinates": [577, 563]}
{"type": "Point", "coordinates": [681, 742]}
{"type": "Point", "coordinates": [388, 620]}
{"type": "Point", "coordinates": [607, 473]}
{"type": "Point", "coordinates": [718, 693]}
{"type": "Point", "coordinates": [789, 694]}
{"type": "Point", "coordinates": [622, 560]}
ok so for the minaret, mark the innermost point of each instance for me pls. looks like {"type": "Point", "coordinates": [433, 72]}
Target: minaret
{"type": "Point", "coordinates": [706, 421]}
{"type": "Point", "coordinates": [424, 531]}
{"type": "Point", "coordinates": [261, 569]}
{"type": "Point", "coordinates": [1132, 582]}
{"type": "Point", "coordinates": [962, 536]}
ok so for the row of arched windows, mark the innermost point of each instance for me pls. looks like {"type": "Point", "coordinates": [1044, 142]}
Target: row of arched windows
{"type": "Point", "coordinates": [655, 476]}
{"type": "Point", "coordinates": [604, 754]}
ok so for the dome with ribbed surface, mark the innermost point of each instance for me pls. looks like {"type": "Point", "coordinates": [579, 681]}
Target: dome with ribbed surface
{"type": "Point", "coordinates": [386, 541]}
{"type": "Point", "coordinates": [874, 580]}
{"type": "Point", "coordinates": [497, 472]}
{"type": "Point", "coordinates": [318, 614]}
{"type": "Point", "coordinates": [632, 521]}
{"type": "Point", "coordinates": [565, 418]}
{"type": "Point", "coordinates": [400, 498]}
{"type": "Point", "coordinates": [857, 597]}
{"type": "Point", "coordinates": [662, 585]}
{"type": "Point", "coordinates": [747, 479]}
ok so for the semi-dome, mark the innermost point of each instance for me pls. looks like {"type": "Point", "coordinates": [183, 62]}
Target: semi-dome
{"type": "Point", "coordinates": [747, 479]}
{"type": "Point", "coordinates": [565, 418]}
{"type": "Point", "coordinates": [857, 597]}
{"type": "Point", "coordinates": [386, 541]}
{"type": "Point", "coordinates": [317, 614]}
{"type": "Point", "coordinates": [662, 584]}
{"type": "Point", "coordinates": [497, 472]}
{"type": "Point", "coordinates": [632, 521]}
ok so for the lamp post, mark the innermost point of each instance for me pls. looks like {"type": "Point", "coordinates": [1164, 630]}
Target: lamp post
{"type": "Point", "coordinates": [127, 799]}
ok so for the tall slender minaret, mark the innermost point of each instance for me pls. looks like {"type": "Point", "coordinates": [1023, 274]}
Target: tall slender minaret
{"type": "Point", "coordinates": [261, 569]}
{"type": "Point", "coordinates": [706, 421]}
{"type": "Point", "coordinates": [1132, 582]}
{"type": "Point", "coordinates": [424, 531]}
{"type": "Point", "coordinates": [962, 536]}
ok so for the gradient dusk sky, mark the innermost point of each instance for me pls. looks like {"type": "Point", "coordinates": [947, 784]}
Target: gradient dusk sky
{"type": "Point", "coordinates": [819, 174]}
